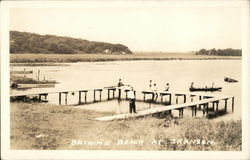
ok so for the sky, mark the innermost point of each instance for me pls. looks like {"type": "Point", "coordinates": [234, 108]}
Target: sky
{"type": "Point", "coordinates": [142, 28]}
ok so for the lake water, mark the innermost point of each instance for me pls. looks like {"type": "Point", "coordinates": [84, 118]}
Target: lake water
{"type": "Point", "coordinates": [178, 73]}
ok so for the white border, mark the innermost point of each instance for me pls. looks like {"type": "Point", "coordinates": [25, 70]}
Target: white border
{"type": "Point", "coordinates": [34, 154]}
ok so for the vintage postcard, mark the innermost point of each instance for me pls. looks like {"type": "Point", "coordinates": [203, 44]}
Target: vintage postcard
{"type": "Point", "coordinates": [125, 79]}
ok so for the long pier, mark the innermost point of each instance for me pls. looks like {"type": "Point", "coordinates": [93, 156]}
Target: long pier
{"type": "Point", "coordinates": [165, 98]}
{"type": "Point", "coordinates": [180, 107]}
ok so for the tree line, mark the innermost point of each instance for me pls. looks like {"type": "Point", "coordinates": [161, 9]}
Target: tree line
{"type": "Point", "coordinates": [25, 42]}
{"type": "Point", "coordinates": [220, 52]}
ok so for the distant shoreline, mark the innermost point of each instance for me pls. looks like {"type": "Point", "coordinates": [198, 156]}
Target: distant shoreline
{"type": "Point", "coordinates": [43, 59]}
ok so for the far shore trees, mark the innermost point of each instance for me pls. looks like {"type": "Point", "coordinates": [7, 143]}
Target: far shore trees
{"type": "Point", "coordinates": [220, 52]}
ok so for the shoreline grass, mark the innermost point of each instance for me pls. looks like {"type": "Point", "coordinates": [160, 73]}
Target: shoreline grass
{"type": "Point", "coordinates": [47, 126]}
{"type": "Point", "coordinates": [69, 58]}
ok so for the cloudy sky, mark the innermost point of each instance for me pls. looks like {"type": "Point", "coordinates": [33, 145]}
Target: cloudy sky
{"type": "Point", "coordinates": [141, 27]}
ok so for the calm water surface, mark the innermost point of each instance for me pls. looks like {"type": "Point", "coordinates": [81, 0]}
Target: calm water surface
{"type": "Point", "coordinates": [178, 73]}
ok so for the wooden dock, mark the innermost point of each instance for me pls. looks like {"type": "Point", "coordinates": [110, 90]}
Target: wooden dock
{"type": "Point", "coordinates": [180, 107]}
{"type": "Point", "coordinates": [202, 100]}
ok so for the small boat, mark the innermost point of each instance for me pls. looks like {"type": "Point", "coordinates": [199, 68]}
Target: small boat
{"type": "Point", "coordinates": [211, 89]}
{"type": "Point", "coordinates": [231, 80]}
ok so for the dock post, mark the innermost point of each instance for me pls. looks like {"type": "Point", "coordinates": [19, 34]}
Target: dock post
{"type": "Point", "coordinates": [60, 98]}
{"type": "Point", "coordinates": [170, 97]}
{"type": "Point", "coordinates": [79, 102]}
{"type": "Point", "coordinates": [113, 93]}
{"type": "Point", "coordinates": [192, 98]}
{"type": "Point", "coordinates": [100, 95]}
{"type": "Point", "coordinates": [195, 110]}
{"type": "Point", "coordinates": [85, 97]}
{"type": "Point", "coordinates": [232, 104]}
{"type": "Point", "coordinates": [46, 97]}
{"type": "Point", "coordinates": [126, 96]}
{"type": "Point", "coordinates": [200, 97]}
{"type": "Point", "coordinates": [192, 111]}
{"type": "Point", "coordinates": [161, 97]}
{"type": "Point", "coordinates": [204, 110]}
{"type": "Point", "coordinates": [213, 105]}
{"type": "Point", "coordinates": [185, 98]}
{"type": "Point", "coordinates": [177, 99]}
{"type": "Point", "coordinates": [108, 94]}
{"type": "Point", "coordinates": [94, 95]}
{"type": "Point", "coordinates": [217, 107]}
{"type": "Point", "coordinates": [207, 105]}
{"type": "Point", "coordinates": [226, 105]}
{"type": "Point", "coordinates": [66, 98]}
{"type": "Point", "coordinates": [181, 113]}
{"type": "Point", "coordinates": [39, 99]}
{"type": "Point", "coordinates": [144, 97]}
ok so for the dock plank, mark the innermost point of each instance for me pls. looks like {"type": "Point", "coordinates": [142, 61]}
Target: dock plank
{"type": "Point", "coordinates": [158, 109]}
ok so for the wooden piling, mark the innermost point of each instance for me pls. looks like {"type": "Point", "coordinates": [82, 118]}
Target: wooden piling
{"type": "Point", "coordinates": [200, 98]}
{"type": "Point", "coordinates": [108, 94]}
{"type": "Point", "coordinates": [60, 98]}
{"type": "Point", "coordinates": [225, 105]}
{"type": "Point", "coordinates": [213, 105]}
{"type": "Point", "coordinates": [80, 98]}
{"type": "Point", "coordinates": [114, 93]}
{"type": "Point", "coordinates": [184, 98]}
{"type": "Point", "coordinates": [39, 99]}
{"type": "Point", "coordinates": [85, 97]}
{"type": "Point", "coordinates": [181, 112]}
{"type": "Point", "coordinates": [232, 104]}
{"type": "Point", "coordinates": [170, 97]}
{"type": "Point", "coordinates": [66, 98]}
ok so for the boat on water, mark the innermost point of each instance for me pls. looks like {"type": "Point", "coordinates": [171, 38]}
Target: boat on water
{"type": "Point", "coordinates": [231, 80]}
{"type": "Point", "coordinates": [206, 89]}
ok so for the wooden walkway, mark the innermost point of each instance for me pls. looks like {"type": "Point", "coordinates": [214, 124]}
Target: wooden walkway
{"type": "Point", "coordinates": [180, 107]}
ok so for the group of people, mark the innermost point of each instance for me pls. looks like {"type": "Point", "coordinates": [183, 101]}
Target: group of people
{"type": "Point", "coordinates": [154, 89]}
{"type": "Point", "coordinates": [131, 94]}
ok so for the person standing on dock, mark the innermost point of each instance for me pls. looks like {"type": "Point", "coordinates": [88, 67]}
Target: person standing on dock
{"type": "Point", "coordinates": [131, 98]}
{"type": "Point", "coordinates": [119, 88]}
{"type": "Point", "coordinates": [167, 87]}
{"type": "Point", "coordinates": [150, 84]}
{"type": "Point", "coordinates": [155, 96]}
{"type": "Point", "coordinates": [192, 85]}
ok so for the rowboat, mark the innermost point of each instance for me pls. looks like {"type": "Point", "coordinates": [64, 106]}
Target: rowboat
{"type": "Point", "coordinates": [211, 89]}
{"type": "Point", "coordinates": [231, 80]}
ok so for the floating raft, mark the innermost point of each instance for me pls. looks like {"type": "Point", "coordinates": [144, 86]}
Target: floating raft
{"type": "Point", "coordinates": [161, 109]}
{"type": "Point", "coordinates": [24, 86]}
{"type": "Point", "coordinates": [21, 72]}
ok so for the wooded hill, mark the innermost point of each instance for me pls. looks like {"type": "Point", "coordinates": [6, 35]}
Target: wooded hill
{"type": "Point", "coordinates": [220, 52]}
{"type": "Point", "coordinates": [25, 42]}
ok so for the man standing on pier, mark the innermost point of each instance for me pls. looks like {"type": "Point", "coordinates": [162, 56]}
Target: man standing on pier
{"type": "Point", "coordinates": [131, 98]}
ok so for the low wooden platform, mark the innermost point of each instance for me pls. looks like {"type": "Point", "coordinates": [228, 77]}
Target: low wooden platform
{"type": "Point", "coordinates": [161, 109]}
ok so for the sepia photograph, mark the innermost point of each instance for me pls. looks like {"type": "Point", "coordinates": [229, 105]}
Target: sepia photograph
{"type": "Point", "coordinates": [120, 76]}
